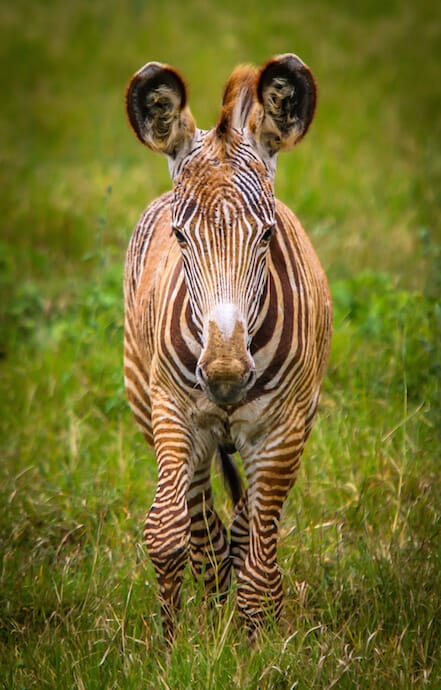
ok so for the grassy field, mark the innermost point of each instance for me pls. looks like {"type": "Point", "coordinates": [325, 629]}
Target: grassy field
{"type": "Point", "coordinates": [360, 544]}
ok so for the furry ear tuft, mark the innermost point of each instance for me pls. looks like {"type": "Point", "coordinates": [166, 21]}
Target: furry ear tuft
{"type": "Point", "coordinates": [238, 100]}
{"type": "Point", "coordinates": [276, 104]}
{"type": "Point", "coordinates": [156, 107]}
{"type": "Point", "coordinates": [287, 92]}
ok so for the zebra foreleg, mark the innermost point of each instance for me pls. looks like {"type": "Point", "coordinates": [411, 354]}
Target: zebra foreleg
{"type": "Point", "coordinates": [209, 547]}
{"type": "Point", "coordinates": [166, 534]}
{"type": "Point", "coordinates": [259, 580]}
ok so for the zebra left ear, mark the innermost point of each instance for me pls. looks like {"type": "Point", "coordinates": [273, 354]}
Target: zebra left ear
{"type": "Point", "coordinates": [156, 103]}
{"type": "Point", "coordinates": [287, 93]}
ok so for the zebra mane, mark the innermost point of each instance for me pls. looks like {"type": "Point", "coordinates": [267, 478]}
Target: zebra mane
{"type": "Point", "coordinates": [240, 95]}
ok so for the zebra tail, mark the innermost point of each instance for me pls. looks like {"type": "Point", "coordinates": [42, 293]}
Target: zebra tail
{"type": "Point", "coordinates": [232, 478]}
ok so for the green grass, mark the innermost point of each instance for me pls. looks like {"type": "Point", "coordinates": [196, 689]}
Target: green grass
{"type": "Point", "coordinates": [360, 545]}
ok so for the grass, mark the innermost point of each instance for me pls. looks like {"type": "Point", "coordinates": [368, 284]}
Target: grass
{"type": "Point", "coordinates": [360, 545]}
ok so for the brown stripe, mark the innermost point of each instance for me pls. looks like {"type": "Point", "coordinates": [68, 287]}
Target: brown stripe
{"type": "Point", "coordinates": [302, 310]}
{"type": "Point", "coordinates": [266, 330]}
{"type": "Point", "coordinates": [285, 342]}
{"type": "Point", "coordinates": [185, 355]}
{"type": "Point", "coordinates": [191, 324]}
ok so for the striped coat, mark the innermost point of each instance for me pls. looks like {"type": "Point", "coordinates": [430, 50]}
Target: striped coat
{"type": "Point", "coordinates": [227, 329]}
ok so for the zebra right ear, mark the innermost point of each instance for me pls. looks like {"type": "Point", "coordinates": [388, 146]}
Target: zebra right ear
{"type": "Point", "coordinates": [287, 93]}
{"type": "Point", "coordinates": [156, 102]}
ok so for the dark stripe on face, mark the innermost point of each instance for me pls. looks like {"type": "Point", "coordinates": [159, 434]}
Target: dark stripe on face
{"type": "Point", "coordinates": [191, 324]}
{"type": "Point", "coordinates": [285, 342]}
{"type": "Point", "coordinates": [266, 330]}
{"type": "Point", "coordinates": [189, 211]}
{"type": "Point", "coordinates": [180, 346]}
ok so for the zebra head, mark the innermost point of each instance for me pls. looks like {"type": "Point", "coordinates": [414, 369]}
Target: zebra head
{"type": "Point", "coordinates": [223, 206]}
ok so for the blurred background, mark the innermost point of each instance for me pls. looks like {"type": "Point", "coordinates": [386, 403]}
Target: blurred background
{"type": "Point", "coordinates": [365, 182]}
{"type": "Point", "coordinates": [75, 475]}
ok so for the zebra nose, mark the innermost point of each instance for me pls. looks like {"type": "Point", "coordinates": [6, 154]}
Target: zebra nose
{"type": "Point", "coordinates": [226, 383]}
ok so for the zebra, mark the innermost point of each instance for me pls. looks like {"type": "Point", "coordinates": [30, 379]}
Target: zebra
{"type": "Point", "coordinates": [227, 329]}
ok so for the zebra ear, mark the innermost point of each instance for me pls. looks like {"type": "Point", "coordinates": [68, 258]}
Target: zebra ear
{"type": "Point", "coordinates": [156, 102]}
{"type": "Point", "coordinates": [287, 92]}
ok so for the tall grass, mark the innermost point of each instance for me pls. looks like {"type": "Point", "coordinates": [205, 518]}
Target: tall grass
{"type": "Point", "coordinates": [360, 544]}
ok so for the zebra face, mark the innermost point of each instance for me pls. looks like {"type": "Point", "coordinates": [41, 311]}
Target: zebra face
{"type": "Point", "coordinates": [223, 220]}
{"type": "Point", "coordinates": [223, 202]}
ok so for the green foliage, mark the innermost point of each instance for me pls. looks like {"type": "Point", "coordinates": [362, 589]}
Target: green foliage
{"type": "Point", "coordinates": [371, 313]}
{"type": "Point", "coordinates": [360, 544]}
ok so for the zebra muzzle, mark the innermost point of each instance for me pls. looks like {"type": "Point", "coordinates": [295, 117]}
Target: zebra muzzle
{"type": "Point", "coordinates": [226, 369]}
{"type": "Point", "coordinates": [226, 382]}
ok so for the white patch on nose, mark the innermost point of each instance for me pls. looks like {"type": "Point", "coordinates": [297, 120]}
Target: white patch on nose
{"type": "Point", "coordinates": [225, 315]}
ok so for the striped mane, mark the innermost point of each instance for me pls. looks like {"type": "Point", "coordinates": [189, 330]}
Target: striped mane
{"type": "Point", "coordinates": [240, 95]}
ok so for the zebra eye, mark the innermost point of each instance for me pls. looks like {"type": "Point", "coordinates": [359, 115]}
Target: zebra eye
{"type": "Point", "coordinates": [267, 234]}
{"type": "Point", "coordinates": [179, 236]}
